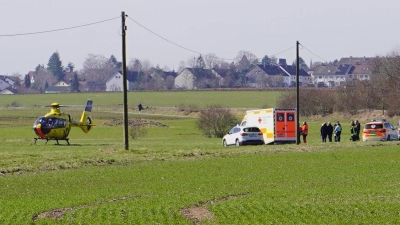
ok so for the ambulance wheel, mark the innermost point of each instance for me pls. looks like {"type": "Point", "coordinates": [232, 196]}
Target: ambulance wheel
{"type": "Point", "coordinates": [237, 143]}
{"type": "Point", "coordinates": [224, 143]}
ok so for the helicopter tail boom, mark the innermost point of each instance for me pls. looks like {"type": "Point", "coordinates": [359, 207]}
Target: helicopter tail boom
{"type": "Point", "coordinates": [85, 123]}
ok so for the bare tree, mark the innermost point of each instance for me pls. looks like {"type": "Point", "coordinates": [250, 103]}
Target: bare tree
{"type": "Point", "coordinates": [386, 80]}
{"type": "Point", "coordinates": [191, 62]}
{"type": "Point", "coordinates": [250, 56]}
{"type": "Point", "coordinates": [41, 76]}
{"type": "Point", "coordinates": [170, 82]}
{"type": "Point", "coordinates": [313, 101]}
{"type": "Point", "coordinates": [157, 82]}
{"type": "Point", "coordinates": [166, 68]}
{"type": "Point", "coordinates": [181, 67]}
{"type": "Point", "coordinates": [211, 60]}
{"type": "Point", "coordinates": [146, 65]}
{"type": "Point", "coordinates": [97, 68]}
{"type": "Point", "coordinates": [225, 65]}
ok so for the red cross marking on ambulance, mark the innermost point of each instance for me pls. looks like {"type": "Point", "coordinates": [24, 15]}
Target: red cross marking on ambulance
{"type": "Point", "coordinates": [259, 119]}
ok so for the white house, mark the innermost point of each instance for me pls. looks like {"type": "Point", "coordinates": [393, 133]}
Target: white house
{"type": "Point", "coordinates": [276, 75]}
{"type": "Point", "coordinates": [115, 81]}
{"type": "Point", "coordinates": [59, 87]}
{"type": "Point", "coordinates": [346, 70]}
{"type": "Point", "coordinates": [5, 82]}
{"type": "Point", "coordinates": [6, 92]}
{"type": "Point", "coordinates": [192, 78]}
{"type": "Point", "coordinates": [185, 79]}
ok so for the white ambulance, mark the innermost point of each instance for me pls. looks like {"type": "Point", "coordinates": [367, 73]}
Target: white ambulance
{"type": "Point", "coordinates": [277, 125]}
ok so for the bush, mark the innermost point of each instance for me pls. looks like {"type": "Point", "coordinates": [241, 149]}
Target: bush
{"type": "Point", "coordinates": [137, 132]}
{"type": "Point", "coordinates": [15, 104]}
{"type": "Point", "coordinates": [188, 108]}
{"type": "Point", "coordinates": [312, 101]}
{"type": "Point", "coordinates": [215, 121]}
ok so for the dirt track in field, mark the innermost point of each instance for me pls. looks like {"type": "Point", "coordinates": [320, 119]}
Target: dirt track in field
{"type": "Point", "coordinates": [138, 122]}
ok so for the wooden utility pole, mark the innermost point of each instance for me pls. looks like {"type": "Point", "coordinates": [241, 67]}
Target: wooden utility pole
{"type": "Point", "coordinates": [297, 92]}
{"type": "Point", "coordinates": [124, 82]}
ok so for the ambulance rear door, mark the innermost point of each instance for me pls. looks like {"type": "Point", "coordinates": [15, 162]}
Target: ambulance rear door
{"type": "Point", "coordinates": [285, 125]}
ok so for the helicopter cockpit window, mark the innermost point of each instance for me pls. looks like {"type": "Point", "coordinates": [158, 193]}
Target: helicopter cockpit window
{"type": "Point", "coordinates": [60, 123]}
{"type": "Point", "coordinates": [50, 122]}
{"type": "Point", "coordinates": [38, 121]}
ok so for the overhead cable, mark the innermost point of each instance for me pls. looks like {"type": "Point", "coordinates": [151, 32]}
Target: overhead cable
{"type": "Point", "coordinates": [55, 30]}
{"type": "Point", "coordinates": [312, 52]}
{"type": "Point", "coordinates": [180, 46]}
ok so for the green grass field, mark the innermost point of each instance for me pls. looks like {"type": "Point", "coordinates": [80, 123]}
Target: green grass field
{"type": "Point", "coordinates": [201, 99]}
{"type": "Point", "coordinates": [174, 175]}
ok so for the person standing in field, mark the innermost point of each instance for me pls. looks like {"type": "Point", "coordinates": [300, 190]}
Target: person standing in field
{"type": "Point", "coordinates": [337, 131]}
{"type": "Point", "coordinates": [353, 131]}
{"type": "Point", "coordinates": [323, 132]}
{"type": "Point", "coordinates": [140, 107]}
{"type": "Point", "coordinates": [329, 131]}
{"type": "Point", "coordinates": [304, 131]}
{"type": "Point", "coordinates": [358, 127]}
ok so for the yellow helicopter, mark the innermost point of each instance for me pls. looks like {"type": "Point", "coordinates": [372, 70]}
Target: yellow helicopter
{"type": "Point", "coordinates": [56, 125]}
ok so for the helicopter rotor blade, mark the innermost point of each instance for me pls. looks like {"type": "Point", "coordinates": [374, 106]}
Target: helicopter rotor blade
{"type": "Point", "coordinates": [65, 106]}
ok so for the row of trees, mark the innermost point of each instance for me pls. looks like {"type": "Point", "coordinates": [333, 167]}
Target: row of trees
{"type": "Point", "coordinates": [53, 73]}
{"type": "Point", "coordinates": [98, 68]}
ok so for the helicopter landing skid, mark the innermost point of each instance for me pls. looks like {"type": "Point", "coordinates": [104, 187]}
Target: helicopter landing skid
{"type": "Point", "coordinates": [48, 139]}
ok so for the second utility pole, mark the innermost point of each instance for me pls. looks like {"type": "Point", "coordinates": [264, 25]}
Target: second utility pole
{"type": "Point", "coordinates": [124, 82]}
{"type": "Point", "coordinates": [297, 92]}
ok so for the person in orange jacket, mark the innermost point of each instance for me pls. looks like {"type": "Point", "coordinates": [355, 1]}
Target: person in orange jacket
{"type": "Point", "coordinates": [304, 132]}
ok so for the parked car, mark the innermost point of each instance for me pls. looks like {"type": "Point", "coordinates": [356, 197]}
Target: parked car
{"type": "Point", "coordinates": [380, 130]}
{"type": "Point", "coordinates": [398, 129]}
{"type": "Point", "coordinates": [246, 135]}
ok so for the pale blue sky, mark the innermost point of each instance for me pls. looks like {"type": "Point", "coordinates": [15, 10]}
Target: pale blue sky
{"type": "Point", "coordinates": [329, 29]}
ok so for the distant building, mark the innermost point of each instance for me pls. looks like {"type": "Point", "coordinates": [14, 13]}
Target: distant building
{"type": "Point", "coordinates": [8, 91]}
{"type": "Point", "coordinates": [193, 78]}
{"type": "Point", "coordinates": [5, 82]}
{"type": "Point", "coordinates": [276, 75]}
{"type": "Point", "coordinates": [59, 87]}
{"type": "Point", "coordinates": [346, 70]}
{"type": "Point", "coordinates": [115, 81]}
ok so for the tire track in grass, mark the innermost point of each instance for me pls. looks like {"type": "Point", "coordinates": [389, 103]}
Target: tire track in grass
{"type": "Point", "coordinates": [59, 213]}
{"type": "Point", "coordinates": [198, 212]}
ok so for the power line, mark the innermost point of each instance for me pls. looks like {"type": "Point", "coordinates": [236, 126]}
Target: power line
{"type": "Point", "coordinates": [283, 51]}
{"type": "Point", "coordinates": [180, 46]}
{"type": "Point", "coordinates": [55, 30]}
{"type": "Point", "coordinates": [312, 52]}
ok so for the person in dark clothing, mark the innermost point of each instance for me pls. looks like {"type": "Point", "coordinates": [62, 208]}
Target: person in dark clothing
{"type": "Point", "coordinates": [324, 132]}
{"type": "Point", "coordinates": [329, 131]}
{"type": "Point", "coordinates": [358, 127]}
{"type": "Point", "coordinates": [353, 131]}
{"type": "Point", "coordinates": [140, 107]}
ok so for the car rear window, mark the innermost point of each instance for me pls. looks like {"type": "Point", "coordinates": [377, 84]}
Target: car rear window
{"type": "Point", "coordinates": [251, 129]}
{"type": "Point", "coordinates": [374, 126]}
